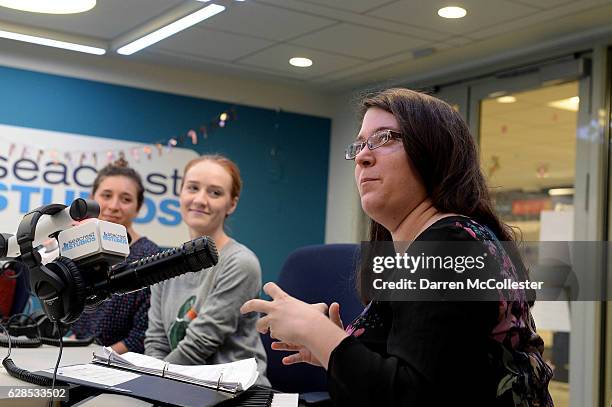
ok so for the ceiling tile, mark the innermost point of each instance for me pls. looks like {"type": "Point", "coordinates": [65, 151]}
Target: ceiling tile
{"type": "Point", "coordinates": [533, 19]}
{"type": "Point", "coordinates": [359, 42]}
{"type": "Point", "coordinates": [361, 68]}
{"type": "Point", "coordinates": [355, 6]}
{"type": "Point", "coordinates": [109, 19]}
{"type": "Point", "coordinates": [544, 4]}
{"type": "Point", "coordinates": [160, 56]}
{"type": "Point", "coordinates": [479, 14]}
{"type": "Point", "coordinates": [268, 22]}
{"type": "Point", "coordinates": [459, 41]}
{"type": "Point", "coordinates": [276, 58]}
{"type": "Point", "coordinates": [201, 42]}
{"type": "Point", "coordinates": [364, 20]}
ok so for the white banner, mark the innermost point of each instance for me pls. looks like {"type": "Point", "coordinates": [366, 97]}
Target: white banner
{"type": "Point", "coordinates": [39, 167]}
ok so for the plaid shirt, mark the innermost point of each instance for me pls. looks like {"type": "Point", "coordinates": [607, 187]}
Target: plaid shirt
{"type": "Point", "coordinates": [122, 317]}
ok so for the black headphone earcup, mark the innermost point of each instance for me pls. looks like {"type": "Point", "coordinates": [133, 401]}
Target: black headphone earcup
{"type": "Point", "coordinates": [76, 288]}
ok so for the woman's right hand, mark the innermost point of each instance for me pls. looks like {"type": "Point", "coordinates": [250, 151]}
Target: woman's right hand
{"type": "Point", "coordinates": [302, 354]}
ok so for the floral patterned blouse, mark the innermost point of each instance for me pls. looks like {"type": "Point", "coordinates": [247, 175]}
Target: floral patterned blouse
{"type": "Point", "coordinates": [443, 353]}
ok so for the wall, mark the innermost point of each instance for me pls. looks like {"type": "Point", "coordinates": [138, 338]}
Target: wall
{"type": "Point", "coordinates": [344, 218]}
{"type": "Point", "coordinates": [139, 73]}
{"type": "Point", "coordinates": [283, 156]}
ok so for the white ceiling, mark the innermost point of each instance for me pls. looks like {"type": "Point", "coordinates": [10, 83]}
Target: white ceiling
{"type": "Point", "coordinates": [352, 42]}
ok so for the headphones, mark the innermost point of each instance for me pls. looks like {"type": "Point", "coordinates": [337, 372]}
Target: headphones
{"type": "Point", "coordinates": [39, 330]}
{"type": "Point", "coordinates": [34, 326]}
{"type": "Point", "coordinates": [58, 284]}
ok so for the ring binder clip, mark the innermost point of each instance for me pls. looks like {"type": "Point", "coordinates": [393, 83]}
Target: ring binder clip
{"type": "Point", "coordinates": [219, 381]}
{"type": "Point", "coordinates": [164, 369]}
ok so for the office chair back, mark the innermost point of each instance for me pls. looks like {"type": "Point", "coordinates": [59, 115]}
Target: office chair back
{"type": "Point", "coordinates": [321, 273]}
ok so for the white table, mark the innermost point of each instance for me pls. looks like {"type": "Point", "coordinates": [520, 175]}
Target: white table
{"type": "Point", "coordinates": [45, 357]}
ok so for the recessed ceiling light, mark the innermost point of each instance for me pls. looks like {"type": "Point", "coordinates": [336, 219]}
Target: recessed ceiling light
{"type": "Point", "coordinates": [570, 104]}
{"type": "Point", "coordinates": [506, 99]}
{"type": "Point", "coordinates": [170, 29]}
{"type": "Point", "coordinates": [50, 7]}
{"type": "Point", "coordinates": [452, 12]}
{"type": "Point", "coordinates": [301, 62]}
{"type": "Point", "coordinates": [52, 43]}
{"type": "Point", "coordinates": [560, 191]}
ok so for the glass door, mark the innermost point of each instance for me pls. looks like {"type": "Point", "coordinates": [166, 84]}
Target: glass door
{"type": "Point", "coordinates": [533, 149]}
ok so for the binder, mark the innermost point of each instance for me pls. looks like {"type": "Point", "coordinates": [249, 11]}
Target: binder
{"type": "Point", "coordinates": [156, 389]}
{"type": "Point", "coordinates": [231, 377]}
{"type": "Point", "coordinates": [151, 379]}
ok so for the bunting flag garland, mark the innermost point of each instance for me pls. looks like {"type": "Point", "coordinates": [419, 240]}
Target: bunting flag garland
{"type": "Point", "coordinates": [147, 150]}
{"type": "Point", "coordinates": [189, 138]}
{"type": "Point", "coordinates": [193, 136]}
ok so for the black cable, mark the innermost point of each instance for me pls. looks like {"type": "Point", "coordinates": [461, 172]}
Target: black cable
{"type": "Point", "coordinates": [72, 343]}
{"type": "Point", "coordinates": [58, 328]}
{"type": "Point", "coordinates": [19, 342]}
{"type": "Point", "coordinates": [23, 374]}
{"type": "Point", "coordinates": [8, 355]}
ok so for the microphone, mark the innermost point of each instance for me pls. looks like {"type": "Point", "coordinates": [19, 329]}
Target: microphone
{"type": "Point", "coordinates": [93, 241]}
{"type": "Point", "coordinates": [192, 256]}
{"type": "Point", "coordinates": [90, 267]}
{"type": "Point", "coordinates": [50, 224]}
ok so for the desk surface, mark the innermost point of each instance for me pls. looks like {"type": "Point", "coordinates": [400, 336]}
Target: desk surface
{"type": "Point", "coordinates": [45, 357]}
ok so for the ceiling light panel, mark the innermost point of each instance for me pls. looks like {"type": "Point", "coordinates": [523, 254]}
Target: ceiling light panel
{"type": "Point", "coordinates": [301, 62]}
{"type": "Point", "coordinates": [171, 29]}
{"type": "Point", "coordinates": [52, 43]}
{"type": "Point", "coordinates": [452, 12]}
{"type": "Point", "coordinates": [50, 6]}
{"type": "Point", "coordinates": [103, 22]}
{"type": "Point", "coordinates": [570, 104]}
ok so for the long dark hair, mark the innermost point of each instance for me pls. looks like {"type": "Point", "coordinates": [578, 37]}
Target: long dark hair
{"type": "Point", "coordinates": [439, 144]}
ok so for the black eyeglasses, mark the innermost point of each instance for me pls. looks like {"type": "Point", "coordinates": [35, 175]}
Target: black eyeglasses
{"type": "Point", "coordinates": [380, 138]}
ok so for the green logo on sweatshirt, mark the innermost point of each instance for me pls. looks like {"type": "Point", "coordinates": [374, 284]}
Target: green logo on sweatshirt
{"type": "Point", "coordinates": [178, 328]}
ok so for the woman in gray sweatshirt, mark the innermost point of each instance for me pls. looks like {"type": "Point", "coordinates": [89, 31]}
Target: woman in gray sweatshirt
{"type": "Point", "coordinates": [195, 318]}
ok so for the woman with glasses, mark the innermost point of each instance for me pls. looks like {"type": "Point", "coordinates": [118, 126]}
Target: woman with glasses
{"type": "Point", "coordinates": [419, 180]}
{"type": "Point", "coordinates": [195, 318]}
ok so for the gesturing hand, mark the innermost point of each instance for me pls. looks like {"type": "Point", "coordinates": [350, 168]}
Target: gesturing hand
{"type": "Point", "coordinates": [302, 354]}
{"type": "Point", "coordinates": [297, 324]}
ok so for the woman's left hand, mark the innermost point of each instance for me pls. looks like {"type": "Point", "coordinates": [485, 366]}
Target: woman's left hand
{"type": "Point", "coordinates": [295, 322]}
{"type": "Point", "coordinates": [287, 318]}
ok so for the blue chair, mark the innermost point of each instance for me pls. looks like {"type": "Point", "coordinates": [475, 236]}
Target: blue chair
{"type": "Point", "coordinates": [322, 273]}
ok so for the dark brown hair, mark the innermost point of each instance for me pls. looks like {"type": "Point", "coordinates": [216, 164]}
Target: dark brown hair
{"type": "Point", "coordinates": [439, 144]}
{"type": "Point", "coordinates": [121, 168]}
{"type": "Point", "coordinates": [226, 163]}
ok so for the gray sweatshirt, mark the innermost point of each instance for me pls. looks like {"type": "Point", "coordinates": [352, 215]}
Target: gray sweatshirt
{"type": "Point", "coordinates": [219, 333]}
